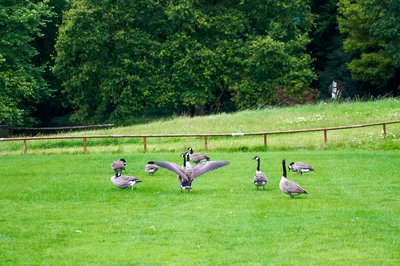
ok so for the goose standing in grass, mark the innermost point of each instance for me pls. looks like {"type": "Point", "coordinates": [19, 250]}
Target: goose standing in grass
{"type": "Point", "coordinates": [289, 187]}
{"type": "Point", "coordinates": [186, 159]}
{"type": "Point", "coordinates": [151, 168]}
{"type": "Point", "coordinates": [260, 179]}
{"type": "Point", "coordinates": [197, 157]}
{"type": "Point", "coordinates": [118, 166]}
{"type": "Point", "coordinates": [186, 174]}
{"type": "Point", "coordinates": [124, 181]}
{"type": "Point", "coordinates": [300, 167]}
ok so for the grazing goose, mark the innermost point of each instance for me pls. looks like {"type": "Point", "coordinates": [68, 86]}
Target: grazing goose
{"type": "Point", "coordinates": [124, 181]}
{"type": "Point", "coordinates": [289, 187]}
{"type": "Point", "coordinates": [151, 168]}
{"type": "Point", "coordinates": [260, 180]}
{"type": "Point", "coordinates": [186, 174]}
{"type": "Point", "coordinates": [118, 166]}
{"type": "Point", "coordinates": [300, 167]}
{"type": "Point", "coordinates": [197, 157]}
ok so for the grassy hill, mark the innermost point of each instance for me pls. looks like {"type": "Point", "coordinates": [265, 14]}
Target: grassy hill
{"type": "Point", "coordinates": [270, 119]}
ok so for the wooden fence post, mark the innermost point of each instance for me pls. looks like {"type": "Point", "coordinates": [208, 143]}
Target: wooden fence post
{"type": "Point", "coordinates": [84, 144]}
{"type": "Point", "coordinates": [325, 136]}
{"type": "Point", "coordinates": [265, 140]}
{"type": "Point", "coordinates": [206, 142]}
{"type": "Point", "coordinates": [145, 143]}
{"type": "Point", "coordinates": [25, 146]}
{"type": "Point", "coordinates": [384, 130]}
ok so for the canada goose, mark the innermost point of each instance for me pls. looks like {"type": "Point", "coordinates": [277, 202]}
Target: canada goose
{"type": "Point", "coordinates": [118, 166]}
{"type": "Point", "coordinates": [186, 159]}
{"type": "Point", "coordinates": [287, 186]}
{"type": "Point", "coordinates": [186, 174]}
{"type": "Point", "coordinates": [151, 168]}
{"type": "Point", "coordinates": [260, 180]}
{"type": "Point", "coordinates": [124, 181]}
{"type": "Point", "coordinates": [197, 157]}
{"type": "Point", "coordinates": [300, 167]}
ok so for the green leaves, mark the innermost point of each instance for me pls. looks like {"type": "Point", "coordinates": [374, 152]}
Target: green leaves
{"type": "Point", "coordinates": [376, 68]}
{"type": "Point", "coordinates": [123, 59]}
{"type": "Point", "coordinates": [373, 38]}
{"type": "Point", "coordinates": [21, 81]}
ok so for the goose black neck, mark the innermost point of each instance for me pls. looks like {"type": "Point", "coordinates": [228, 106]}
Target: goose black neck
{"type": "Point", "coordinates": [284, 168]}
{"type": "Point", "coordinates": [258, 164]}
{"type": "Point", "coordinates": [184, 160]}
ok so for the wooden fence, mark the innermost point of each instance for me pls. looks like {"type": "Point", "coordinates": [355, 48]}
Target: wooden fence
{"type": "Point", "coordinates": [205, 136]}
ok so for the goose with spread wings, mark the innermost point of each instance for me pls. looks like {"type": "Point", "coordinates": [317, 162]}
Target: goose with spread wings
{"type": "Point", "coordinates": [186, 174]}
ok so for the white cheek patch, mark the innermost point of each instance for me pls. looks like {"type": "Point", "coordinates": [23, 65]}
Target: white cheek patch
{"type": "Point", "coordinates": [305, 170]}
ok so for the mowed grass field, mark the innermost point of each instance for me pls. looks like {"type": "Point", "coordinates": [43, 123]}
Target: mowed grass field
{"type": "Point", "coordinates": [63, 210]}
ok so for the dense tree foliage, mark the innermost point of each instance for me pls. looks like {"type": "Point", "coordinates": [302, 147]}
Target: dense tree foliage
{"type": "Point", "coordinates": [372, 28]}
{"type": "Point", "coordinates": [21, 81]}
{"type": "Point", "coordinates": [121, 58]}
{"type": "Point", "coordinates": [115, 60]}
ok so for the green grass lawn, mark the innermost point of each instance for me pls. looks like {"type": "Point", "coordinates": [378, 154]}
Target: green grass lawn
{"type": "Point", "coordinates": [63, 210]}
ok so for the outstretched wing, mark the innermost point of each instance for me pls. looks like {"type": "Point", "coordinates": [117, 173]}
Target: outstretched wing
{"type": "Point", "coordinates": [200, 169]}
{"type": "Point", "coordinates": [173, 167]}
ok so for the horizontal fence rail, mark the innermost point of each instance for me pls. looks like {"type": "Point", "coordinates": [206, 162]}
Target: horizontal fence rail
{"type": "Point", "coordinates": [205, 136]}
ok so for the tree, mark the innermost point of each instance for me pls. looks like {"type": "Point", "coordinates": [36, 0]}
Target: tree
{"type": "Point", "coordinates": [107, 63]}
{"type": "Point", "coordinates": [121, 59]}
{"type": "Point", "coordinates": [275, 66]}
{"type": "Point", "coordinates": [21, 82]}
{"type": "Point", "coordinates": [372, 31]}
